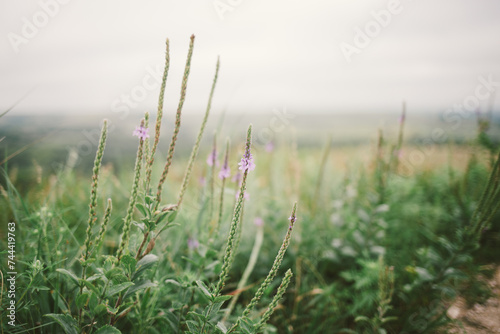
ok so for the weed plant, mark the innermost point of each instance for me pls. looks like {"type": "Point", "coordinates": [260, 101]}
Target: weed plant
{"type": "Point", "coordinates": [375, 250]}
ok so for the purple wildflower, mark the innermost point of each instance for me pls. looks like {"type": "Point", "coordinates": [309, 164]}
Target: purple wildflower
{"type": "Point", "coordinates": [269, 147]}
{"type": "Point", "coordinates": [258, 221]}
{"type": "Point", "coordinates": [192, 243]}
{"type": "Point", "coordinates": [141, 132]}
{"type": "Point", "coordinates": [402, 118]}
{"type": "Point", "coordinates": [225, 172]}
{"type": "Point", "coordinates": [212, 158]}
{"type": "Point", "coordinates": [245, 195]}
{"type": "Point", "coordinates": [246, 162]}
{"type": "Point", "coordinates": [292, 220]}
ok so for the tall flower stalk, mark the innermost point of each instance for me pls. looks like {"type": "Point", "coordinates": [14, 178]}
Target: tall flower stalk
{"type": "Point", "coordinates": [177, 122]}
{"type": "Point", "coordinates": [141, 132]}
{"type": "Point", "coordinates": [159, 115]}
{"type": "Point", "coordinates": [93, 198]}
{"type": "Point", "coordinates": [224, 173]}
{"type": "Point", "coordinates": [272, 273]}
{"type": "Point", "coordinates": [196, 146]}
{"type": "Point", "coordinates": [245, 164]}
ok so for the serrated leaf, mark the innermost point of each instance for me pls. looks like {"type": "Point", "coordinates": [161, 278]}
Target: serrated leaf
{"type": "Point", "coordinates": [81, 300]}
{"type": "Point", "coordinates": [66, 321]}
{"type": "Point", "coordinates": [113, 290]}
{"type": "Point", "coordinates": [108, 329]}
{"type": "Point", "coordinates": [100, 309]}
{"type": "Point", "coordinates": [193, 326]}
{"type": "Point", "coordinates": [212, 311]}
{"type": "Point", "coordinates": [128, 262]}
{"type": "Point", "coordinates": [204, 289]}
{"type": "Point", "coordinates": [143, 264]}
{"type": "Point", "coordinates": [115, 271]}
{"type": "Point", "coordinates": [140, 285]}
{"type": "Point", "coordinates": [69, 274]}
{"type": "Point", "coordinates": [93, 300]}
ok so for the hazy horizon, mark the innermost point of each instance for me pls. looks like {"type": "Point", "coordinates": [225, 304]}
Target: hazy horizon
{"type": "Point", "coordinates": [319, 56]}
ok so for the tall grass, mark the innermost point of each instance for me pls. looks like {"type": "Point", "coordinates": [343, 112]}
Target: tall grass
{"type": "Point", "coordinates": [374, 250]}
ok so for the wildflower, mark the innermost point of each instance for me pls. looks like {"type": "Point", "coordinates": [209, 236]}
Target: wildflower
{"type": "Point", "coordinates": [246, 162]}
{"type": "Point", "coordinates": [292, 220]}
{"type": "Point", "coordinates": [402, 119]}
{"type": "Point", "coordinates": [193, 243]}
{"type": "Point", "coordinates": [212, 158]}
{"type": "Point", "coordinates": [258, 221]}
{"type": "Point", "coordinates": [225, 172]}
{"type": "Point", "coordinates": [245, 195]}
{"type": "Point", "coordinates": [141, 132]}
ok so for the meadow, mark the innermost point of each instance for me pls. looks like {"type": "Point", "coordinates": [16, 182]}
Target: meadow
{"type": "Point", "coordinates": [336, 225]}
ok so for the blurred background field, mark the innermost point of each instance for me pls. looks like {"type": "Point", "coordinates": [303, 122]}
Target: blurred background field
{"type": "Point", "coordinates": [355, 217]}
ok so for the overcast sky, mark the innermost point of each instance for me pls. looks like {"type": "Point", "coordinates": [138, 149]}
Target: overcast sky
{"type": "Point", "coordinates": [306, 56]}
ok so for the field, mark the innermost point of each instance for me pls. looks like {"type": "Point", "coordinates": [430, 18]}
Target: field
{"type": "Point", "coordinates": [325, 224]}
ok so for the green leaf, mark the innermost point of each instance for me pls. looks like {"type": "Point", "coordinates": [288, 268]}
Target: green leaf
{"type": "Point", "coordinates": [424, 274]}
{"type": "Point", "coordinates": [143, 210]}
{"type": "Point", "coordinates": [172, 216]}
{"type": "Point", "coordinates": [66, 321]}
{"type": "Point", "coordinates": [140, 285]}
{"type": "Point", "coordinates": [81, 300]}
{"type": "Point", "coordinates": [69, 274]}
{"type": "Point", "coordinates": [107, 329]}
{"type": "Point", "coordinates": [143, 264]}
{"type": "Point", "coordinates": [114, 271]}
{"type": "Point", "coordinates": [362, 318]}
{"type": "Point", "coordinates": [193, 326]}
{"type": "Point", "coordinates": [172, 320]}
{"type": "Point", "coordinates": [141, 226]}
{"type": "Point", "coordinates": [204, 289]}
{"type": "Point", "coordinates": [384, 320]}
{"type": "Point", "coordinates": [93, 300]}
{"type": "Point", "coordinates": [113, 290]}
{"type": "Point", "coordinates": [100, 309]}
{"type": "Point", "coordinates": [247, 326]}
{"type": "Point", "coordinates": [172, 281]}
{"type": "Point", "coordinates": [91, 287]}
{"type": "Point", "coordinates": [221, 327]}
{"type": "Point", "coordinates": [222, 298]}
{"type": "Point", "coordinates": [128, 263]}
{"type": "Point", "coordinates": [199, 317]}
{"type": "Point", "coordinates": [148, 199]}
{"type": "Point", "coordinates": [212, 311]}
